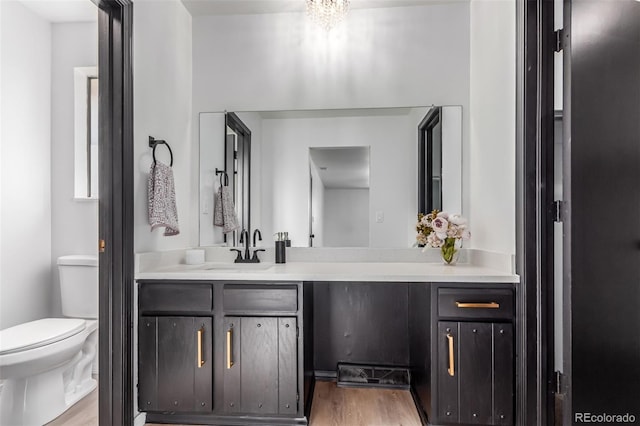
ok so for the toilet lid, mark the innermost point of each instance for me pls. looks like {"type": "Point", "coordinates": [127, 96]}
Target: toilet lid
{"type": "Point", "coordinates": [38, 333]}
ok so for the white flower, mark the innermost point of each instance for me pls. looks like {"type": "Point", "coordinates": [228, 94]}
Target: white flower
{"type": "Point", "coordinates": [426, 220]}
{"type": "Point", "coordinates": [443, 215]}
{"type": "Point", "coordinates": [453, 232]}
{"type": "Point", "coordinates": [465, 235]}
{"type": "Point", "coordinates": [456, 219]}
{"type": "Point", "coordinates": [440, 224]}
{"type": "Point", "coordinates": [434, 241]}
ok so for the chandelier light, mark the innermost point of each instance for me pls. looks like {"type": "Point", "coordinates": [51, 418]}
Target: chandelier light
{"type": "Point", "coordinates": [327, 13]}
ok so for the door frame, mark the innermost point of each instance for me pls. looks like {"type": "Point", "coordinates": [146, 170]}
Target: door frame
{"type": "Point", "coordinates": [116, 258]}
{"type": "Point", "coordinates": [534, 225]}
{"type": "Point", "coordinates": [425, 167]}
{"type": "Point", "coordinates": [534, 212]}
{"type": "Point", "coordinates": [242, 156]}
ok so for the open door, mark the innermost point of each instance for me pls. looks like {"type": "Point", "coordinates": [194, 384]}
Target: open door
{"type": "Point", "coordinates": [601, 188]}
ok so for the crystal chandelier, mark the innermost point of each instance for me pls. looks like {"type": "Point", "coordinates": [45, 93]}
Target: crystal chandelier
{"type": "Point", "coordinates": [327, 13]}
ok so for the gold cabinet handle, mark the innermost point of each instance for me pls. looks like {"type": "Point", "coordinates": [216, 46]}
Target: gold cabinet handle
{"type": "Point", "coordinates": [451, 370]}
{"type": "Point", "coordinates": [200, 362]}
{"type": "Point", "coordinates": [229, 343]}
{"type": "Point", "coordinates": [485, 305]}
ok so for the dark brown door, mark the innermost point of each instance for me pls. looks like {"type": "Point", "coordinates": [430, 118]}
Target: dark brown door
{"type": "Point", "coordinates": [261, 366]}
{"type": "Point", "coordinates": [475, 373]}
{"type": "Point", "coordinates": [175, 364]}
{"type": "Point", "coordinates": [602, 225]}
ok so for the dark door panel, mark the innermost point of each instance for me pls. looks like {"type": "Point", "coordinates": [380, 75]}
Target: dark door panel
{"type": "Point", "coordinates": [475, 370]}
{"type": "Point", "coordinates": [287, 366]}
{"type": "Point", "coordinates": [602, 174]}
{"type": "Point", "coordinates": [259, 365]}
{"type": "Point", "coordinates": [503, 381]}
{"type": "Point", "coordinates": [448, 371]}
{"type": "Point", "coordinates": [175, 364]}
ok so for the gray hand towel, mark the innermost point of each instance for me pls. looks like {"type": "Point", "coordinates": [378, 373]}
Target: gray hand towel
{"type": "Point", "coordinates": [224, 211]}
{"type": "Point", "coordinates": [162, 199]}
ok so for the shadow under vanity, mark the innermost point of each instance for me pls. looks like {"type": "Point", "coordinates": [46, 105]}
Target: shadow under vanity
{"type": "Point", "coordinates": [249, 352]}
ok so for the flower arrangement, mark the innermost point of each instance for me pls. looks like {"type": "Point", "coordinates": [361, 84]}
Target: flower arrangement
{"type": "Point", "coordinates": [442, 230]}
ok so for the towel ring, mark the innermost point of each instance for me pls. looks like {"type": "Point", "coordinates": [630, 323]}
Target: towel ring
{"type": "Point", "coordinates": [226, 177]}
{"type": "Point", "coordinates": [153, 143]}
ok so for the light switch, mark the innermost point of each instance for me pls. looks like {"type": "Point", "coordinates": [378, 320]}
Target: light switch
{"type": "Point", "coordinates": [379, 216]}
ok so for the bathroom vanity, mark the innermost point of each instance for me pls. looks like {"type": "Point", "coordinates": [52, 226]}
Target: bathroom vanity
{"type": "Point", "coordinates": [225, 346]}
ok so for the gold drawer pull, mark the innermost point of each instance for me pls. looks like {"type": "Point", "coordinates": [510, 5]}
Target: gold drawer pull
{"type": "Point", "coordinates": [229, 341]}
{"type": "Point", "coordinates": [200, 360]}
{"type": "Point", "coordinates": [488, 305]}
{"type": "Point", "coordinates": [452, 369]}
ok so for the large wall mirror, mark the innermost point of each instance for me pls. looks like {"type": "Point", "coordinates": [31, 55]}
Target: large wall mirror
{"type": "Point", "coordinates": [334, 178]}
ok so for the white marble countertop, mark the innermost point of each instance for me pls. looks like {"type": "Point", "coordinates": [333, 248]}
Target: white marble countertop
{"type": "Point", "coordinates": [332, 271]}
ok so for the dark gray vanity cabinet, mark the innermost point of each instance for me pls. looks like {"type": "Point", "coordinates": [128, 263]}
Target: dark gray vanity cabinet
{"type": "Point", "coordinates": [261, 366]}
{"type": "Point", "coordinates": [222, 353]}
{"type": "Point", "coordinates": [175, 348]}
{"type": "Point", "coordinates": [261, 348]}
{"type": "Point", "coordinates": [473, 362]}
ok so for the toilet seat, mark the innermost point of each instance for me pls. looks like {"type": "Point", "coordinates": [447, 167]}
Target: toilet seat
{"type": "Point", "coordinates": [38, 333]}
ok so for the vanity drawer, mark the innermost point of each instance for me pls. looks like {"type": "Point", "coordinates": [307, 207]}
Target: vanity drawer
{"type": "Point", "coordinates": [247, 298]}
{"type": "Point", "coordinates": [462, 303]}
{"type": "Point", "coordinates": [172, 298]}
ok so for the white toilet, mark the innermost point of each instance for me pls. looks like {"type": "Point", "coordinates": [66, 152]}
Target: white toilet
{"type": "Point", "coordinates": [45, 365]}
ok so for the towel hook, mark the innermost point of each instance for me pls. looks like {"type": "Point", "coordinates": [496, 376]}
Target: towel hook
{"type": "Point", "coordinates": [153, 143]}
{"type": "Point", "coordinates": [226, 177]}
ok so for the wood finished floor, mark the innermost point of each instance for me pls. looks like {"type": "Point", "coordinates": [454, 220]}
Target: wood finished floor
{"type": "Point", "coordinates": [336, 406]}
{"type": "Point", "coordinates": [332, 406]}
{"type": "Point", "coordinates": [84, 413]}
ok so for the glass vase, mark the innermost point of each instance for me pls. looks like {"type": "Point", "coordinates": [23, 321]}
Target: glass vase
{"type": "Point", "coordinates": [450, 251]}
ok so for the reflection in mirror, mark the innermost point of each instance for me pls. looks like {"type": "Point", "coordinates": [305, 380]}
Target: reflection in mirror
{"type": "Point", "coordinates": [85, 133]}
{"type": "Point", "coordinates": [237, 166]}
{"type": "Point", "coordinates": [283, 145]}
{"type": "Point", "coordinates": [430, 158]}
{"type": "Point", "coordinates": [339, 188]}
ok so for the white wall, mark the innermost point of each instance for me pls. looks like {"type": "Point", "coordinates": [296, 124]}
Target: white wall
{"type": "Point", "coordinates": [25, 152]}
{"type": "Point", "coordinates": [74, 222]}
{"type": "Point", "coordinates": [377, 57]}
{"type": "Point", "coordinates": [492, 140]}
{"type": "Point", "coordinates": [347, 217]}
{"type": "Point", "coordinates": [162, 67]}
{"type": "Point", "coordinates": [285, 175]}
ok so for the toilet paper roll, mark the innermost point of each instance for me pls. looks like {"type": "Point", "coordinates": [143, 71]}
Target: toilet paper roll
{"type": "Point", "coordinates": [194, 257]}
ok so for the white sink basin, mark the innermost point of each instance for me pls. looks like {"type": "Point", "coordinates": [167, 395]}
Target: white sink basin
{"type": "Point", "coordinates": [239, 267]}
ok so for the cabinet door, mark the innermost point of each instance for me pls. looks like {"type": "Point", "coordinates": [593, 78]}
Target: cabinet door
{"type": "Point", "coordinates": [475, 373]}
{"type": "Point", "coordinates": [175, 366]}
{"type": "Point", "coordinates": [260, 365]}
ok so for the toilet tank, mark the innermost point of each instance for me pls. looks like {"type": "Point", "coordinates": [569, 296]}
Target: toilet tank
{"type": "Point", "coordinates": [79, 285]}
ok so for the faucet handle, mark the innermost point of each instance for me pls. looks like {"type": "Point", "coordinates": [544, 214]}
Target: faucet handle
{"type": "Point", "coordinates": [239, 256]}
{"type": "Point", "coordinates": [255, 255]}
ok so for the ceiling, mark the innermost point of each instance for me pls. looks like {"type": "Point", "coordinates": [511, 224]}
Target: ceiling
{"type": "Point", "coordinates": [64, 10]}
{"type": "Point", "coordinates": [239, 7]}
